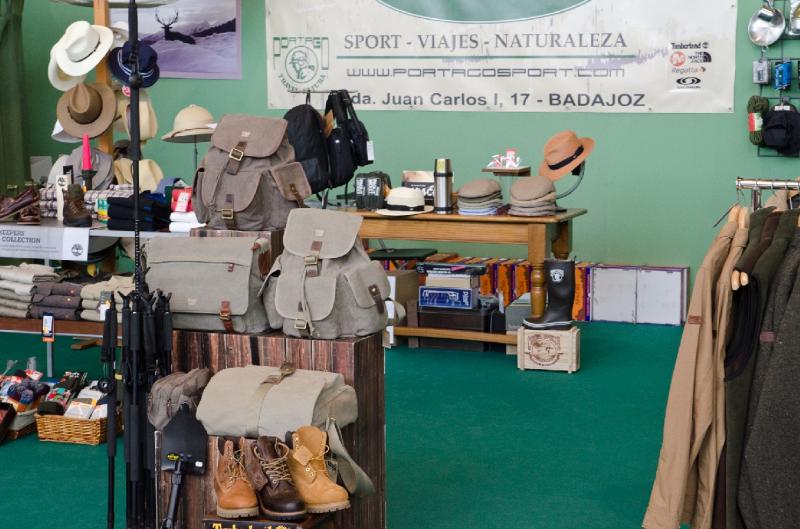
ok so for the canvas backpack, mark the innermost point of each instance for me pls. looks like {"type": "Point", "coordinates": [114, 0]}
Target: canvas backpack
{"type": "Point", "coordinates": [169, 392]}
{"type": "Point", "coordinates": [249, 179]}
{"type": "Point", "coordinates": [324, 285]}
{"type": "Point", "coordinates": [306, 134]}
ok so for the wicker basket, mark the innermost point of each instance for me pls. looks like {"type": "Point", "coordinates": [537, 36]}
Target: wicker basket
{"type": "Point", "coordinates": [62, 429]}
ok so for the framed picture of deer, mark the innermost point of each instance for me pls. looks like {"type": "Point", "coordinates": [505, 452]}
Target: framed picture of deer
{"type": "Point", "coordinates": [194, 39]}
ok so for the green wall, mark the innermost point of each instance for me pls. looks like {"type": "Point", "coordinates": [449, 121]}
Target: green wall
{"type": "Point", "coordinates": [654, 186]}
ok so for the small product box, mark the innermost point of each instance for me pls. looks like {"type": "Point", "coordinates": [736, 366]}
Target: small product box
{"type": "Point", "coordinates": [549, 350]}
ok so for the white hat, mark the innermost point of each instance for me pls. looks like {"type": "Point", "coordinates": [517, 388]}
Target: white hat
{"type": "Point", "coordinates": [193, 123]}
{"type": "Point", "coordinates": [404, 201]}
{"type": "Point", "coordinates": [59, 134]}
{"type": "Point", "coordinates": [120, 30]}
{"type": "Point", "coordinates": [148, 121]}
{"type": "Point", "coordinates": [150, 174]}
{"type": "Point", "coordinates": [82, 47]}
{"type": "Point", "coordinates": [58, 78]}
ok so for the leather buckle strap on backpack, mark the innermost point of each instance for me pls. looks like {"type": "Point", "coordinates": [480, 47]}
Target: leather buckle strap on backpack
{"type": "Point", "coordinates": [225, 316]}
{"type": "Point", "coordinates": [376, 296]}
{"type": "Point", "coordinates": [227, 213]}
{"type": "Point", "coordinates": [297, 197]}
{"type": "Point", "coordinates": [235, 157]}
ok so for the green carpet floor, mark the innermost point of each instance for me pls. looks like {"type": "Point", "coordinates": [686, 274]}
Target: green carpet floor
{"type": "Point", "coordinates": [472, 441]}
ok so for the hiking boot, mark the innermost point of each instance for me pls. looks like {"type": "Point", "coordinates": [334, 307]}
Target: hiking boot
{"type": "Point", "coordinates": [307, 464]}
{"type": "Point", "coordinates": [75, 213]}
{"type": "Point", "coordinates": [265, 462]}
{"type": "Point", "coordinates": [560, 297]}
{"type": "Point", "coordinates": [235, 496]}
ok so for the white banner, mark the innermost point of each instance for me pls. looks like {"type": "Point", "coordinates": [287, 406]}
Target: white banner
{"type": "Point", "coordinates": [507, 55]}
{"type": "Point", "coordinates": [44, 242]}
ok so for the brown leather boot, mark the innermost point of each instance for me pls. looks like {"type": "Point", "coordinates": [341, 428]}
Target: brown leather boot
{"type": "Point", "coordinates": [75, 213]}
{"type": "Point", "coordinates": [235, 496]}
{"type": "Point", "coordinates": [268, 471]}
{"type": "Point", "coordinates": [307, 464]}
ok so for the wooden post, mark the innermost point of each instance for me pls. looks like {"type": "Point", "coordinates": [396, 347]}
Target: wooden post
{"type": "Point", "coordinates": [537, 252]}
{"type": "Point", "coordinates": [102, 17]}
{"type": "Point", "coordinates": [562, 243]}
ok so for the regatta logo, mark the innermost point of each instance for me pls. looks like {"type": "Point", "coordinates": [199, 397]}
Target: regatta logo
{"type": "Point", "coordinates": [302, 62]}
{"type": "Point", "coordinates": [473, 12]}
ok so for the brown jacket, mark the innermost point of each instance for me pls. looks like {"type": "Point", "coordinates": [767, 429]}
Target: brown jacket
{"type": "Point", "coordinates": [683, 487]}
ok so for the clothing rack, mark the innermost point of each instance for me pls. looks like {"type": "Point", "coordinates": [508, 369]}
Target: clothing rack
{"type": "Point", "coordinates": [756, 185]}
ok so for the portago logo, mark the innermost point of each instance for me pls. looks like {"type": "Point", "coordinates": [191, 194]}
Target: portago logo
{"type": "Point", "coordinates": [450, 11]}
{"type": "Point", "coordinates": [302, 62]}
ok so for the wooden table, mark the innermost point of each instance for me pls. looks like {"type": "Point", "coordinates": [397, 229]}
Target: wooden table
{"type": "Point", "coordinates": [542, 235]}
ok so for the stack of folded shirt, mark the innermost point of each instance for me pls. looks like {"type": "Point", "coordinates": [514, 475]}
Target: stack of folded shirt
{"type": "Point", "coordinates": [90, 296]}
{"type": "Point", "coordinates": [49, 207]}
{"type": "Point", "coordinates": [17, 286]}
{"type": "Point", "coordinates": [153, 213]}
{"type": "Point", "coordinates": [480, 197]}
{"type": "Point", "coordinates": [533, 196]}
{"type": "Point", "coordinates": [62, 300]}
{"type": "Point", "coordinates": [183, 222]}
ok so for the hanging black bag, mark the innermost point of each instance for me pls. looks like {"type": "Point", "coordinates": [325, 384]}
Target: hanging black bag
{"type": "Point", "coordinates": [340, 147]}
{"type": "Point", "coordinates": [306, 133]}
{"type": "Point", "coordinates": [362, 147]}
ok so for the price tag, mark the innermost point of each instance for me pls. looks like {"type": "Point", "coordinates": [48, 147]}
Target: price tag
{"type": "Point", "coordinates": [105, 303]}
{"type": "Point", "coordinates": [370, 151]}
{"type": "Point", "coordinates": [48, 328]}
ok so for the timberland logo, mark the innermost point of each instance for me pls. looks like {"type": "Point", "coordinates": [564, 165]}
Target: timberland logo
{"type": "Point", "coordinates": [556, 276]}
{"type": "Point", "coordinates": [474, 12]}
{"type": "Point", "coordinates": [302, 62]}
{"type": "Point", "coordinates": [543, 349]}
{"type": "Point", "coordinates": [77, 249]}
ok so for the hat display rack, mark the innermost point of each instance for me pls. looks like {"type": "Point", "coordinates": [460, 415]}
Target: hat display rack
{"type": "Point", "coordinates": [146, 319]}
{"type": "Point", "coordinates": [774, 25]}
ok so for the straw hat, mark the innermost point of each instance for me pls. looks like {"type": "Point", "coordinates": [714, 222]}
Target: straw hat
{"type": "Point", "coordinates": [148, 121]}
{"type": "Point", "coordinates": [58, 78]}
{"type": "Point", "coordinates": [150, 174]}
{"type": "Point", "coordinates": [82, 47]}
{"type": "Point", "coordinates": [86, 109]}
{"type": "Point", "coordinates": [191, 124]}
{"type": "Point", "coordinates": [404, 201]}
{"type": "Point", "coordinates": [563, 153]}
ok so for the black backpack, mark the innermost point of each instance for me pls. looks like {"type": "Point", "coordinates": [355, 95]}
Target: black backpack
{"type": "Point", "coordinates": [348, 144]}
{"type": "Point", "coordinates": [306, 134]}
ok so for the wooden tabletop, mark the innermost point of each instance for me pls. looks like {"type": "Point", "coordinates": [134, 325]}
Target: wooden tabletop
{"type": "Point", "coordinates": [502, 219]}
{"type": "Point", "coordinates": [62, 327]}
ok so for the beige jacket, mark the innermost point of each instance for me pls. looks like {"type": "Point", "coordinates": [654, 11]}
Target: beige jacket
{"type": "Point", "coordinates": [683, 487]}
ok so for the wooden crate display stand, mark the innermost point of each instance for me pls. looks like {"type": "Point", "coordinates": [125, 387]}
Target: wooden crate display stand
{"type": "Point", "coordinates": [359, 360]}
{"type": "Point", "coordinates": [549, 350]}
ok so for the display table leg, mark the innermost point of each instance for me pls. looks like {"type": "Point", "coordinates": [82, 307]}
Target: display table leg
{"type": "Point", "coordinates": [562, 242]}
{"type": "Point", "coordinates": [537, 252]}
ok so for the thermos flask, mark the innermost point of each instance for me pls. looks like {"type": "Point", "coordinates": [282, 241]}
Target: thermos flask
{"type": "Point", "coordinates": [443, 186]}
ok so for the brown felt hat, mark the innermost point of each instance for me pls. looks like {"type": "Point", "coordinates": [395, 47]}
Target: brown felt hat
{"type": "Point", "coordinates": [87, 109]}
{"type": "Point", "coordinates": [564, 152]}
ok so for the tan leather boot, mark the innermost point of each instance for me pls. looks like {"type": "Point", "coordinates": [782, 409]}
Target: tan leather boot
{"type": "Point", "coordinates": [307, 464]}
{"type": "Point", "coordinates": [235, 496]}
{"type": "Point", "coordinates": [75, 213]}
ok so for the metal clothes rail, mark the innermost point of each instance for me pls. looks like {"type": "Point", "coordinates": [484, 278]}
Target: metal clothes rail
{"type": "Point", "coordinates": [756, 185]}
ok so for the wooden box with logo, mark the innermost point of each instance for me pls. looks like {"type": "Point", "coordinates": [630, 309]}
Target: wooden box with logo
{"type": "Point", "coordinates": [549, 350]}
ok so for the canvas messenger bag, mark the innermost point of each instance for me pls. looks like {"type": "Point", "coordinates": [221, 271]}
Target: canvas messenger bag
{"type": "Point", "coordinates": [249, 179]}
{"type": "Point", "coordinates": [214, 282]}
{"type": "Point", "coordinates": [324, 285]}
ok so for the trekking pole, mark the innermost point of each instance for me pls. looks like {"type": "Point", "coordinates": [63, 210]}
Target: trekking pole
{"type": "Point", "coordinates": [108, 385]}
